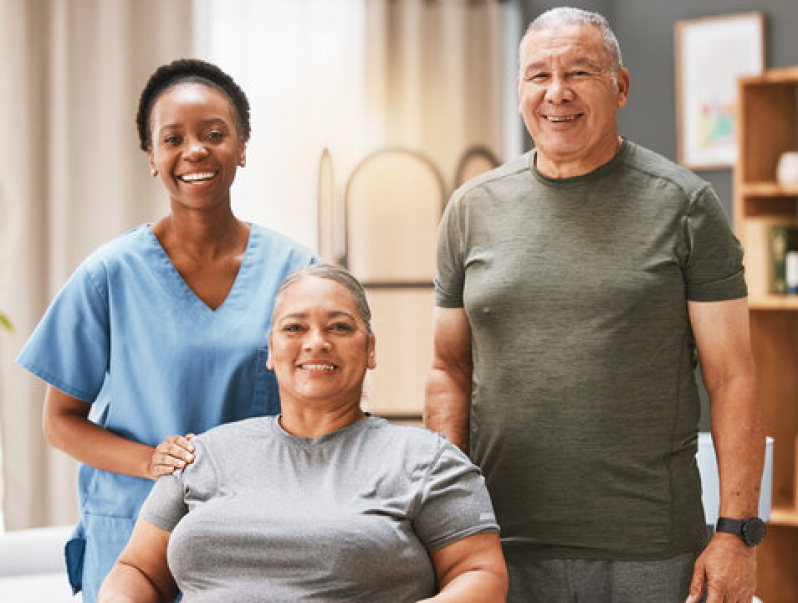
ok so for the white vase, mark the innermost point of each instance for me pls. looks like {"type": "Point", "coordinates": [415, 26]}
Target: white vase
{"type": "Point", "coordinates": [787, 170]}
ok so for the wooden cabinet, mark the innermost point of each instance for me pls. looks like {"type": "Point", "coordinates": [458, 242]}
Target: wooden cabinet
{"type": "Point", "coordinates": [767, 126]}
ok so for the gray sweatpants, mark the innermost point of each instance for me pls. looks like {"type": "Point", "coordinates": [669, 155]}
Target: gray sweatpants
{"type": "Point", "coordinates": [599, 581]}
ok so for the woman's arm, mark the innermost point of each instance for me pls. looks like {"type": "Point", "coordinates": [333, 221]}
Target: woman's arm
{"type": "Point", "coordinates": [141, 574]}
{"type": "Point", "coordinates": [471, 570]}
{"type": "Point", "coordinates": [67, 427]}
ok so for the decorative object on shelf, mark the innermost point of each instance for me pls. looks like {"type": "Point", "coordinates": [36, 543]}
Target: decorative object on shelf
{"type": "Point", "coordinates": [783, 244]}
{"type": "Point", "coordinates": [787, 170]}
{"type": "Point", "coordinates": [711, 53]}
{"type": "Point", "coordinates": [791, 272]}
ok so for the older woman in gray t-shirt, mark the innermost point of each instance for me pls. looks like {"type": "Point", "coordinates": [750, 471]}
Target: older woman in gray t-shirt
{"type": "Point", "coordinates": [323, 502]}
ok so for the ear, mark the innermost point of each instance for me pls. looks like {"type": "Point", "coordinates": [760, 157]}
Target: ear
{"type": "Point", "coordinates": [371, 362]}
{"type": "Point", "coordinates": [151, 159]}
{"type": "Point", "coordinates": [269, 360]}
{"type": "Point", "coordinates": [623, 81]}
{"type": "Point", "coordinates": [242, 155]}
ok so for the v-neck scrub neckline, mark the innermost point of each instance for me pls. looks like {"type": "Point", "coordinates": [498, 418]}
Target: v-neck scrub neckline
{"type": "Point", "coordinates": [173, 281]}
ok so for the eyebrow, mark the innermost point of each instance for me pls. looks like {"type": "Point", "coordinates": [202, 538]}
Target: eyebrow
{"type": "Point", "coordinates": [577, 63]}
{"type": "Point", "coordinates": [304, 315]}
{"type": "Point", "coordinates": [208, 122]}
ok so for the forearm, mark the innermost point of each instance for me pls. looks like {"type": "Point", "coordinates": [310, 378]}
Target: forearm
{"type": "Point", "coordinates": [478, 586]}
{"type": "Point", "coordinates": [447, 405]}
{"type": "Point", "coordinates": [95, 446]}
{"type": "Point", "coordinates": [739, 440]}
{"type": "Point", "coordinates": [127, 584]}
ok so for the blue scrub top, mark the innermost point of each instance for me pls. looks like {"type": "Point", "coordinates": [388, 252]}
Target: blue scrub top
{"type": "Point", "coordinates": [128, 335]}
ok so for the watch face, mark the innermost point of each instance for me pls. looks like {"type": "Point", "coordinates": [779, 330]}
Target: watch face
{"type": "Point", "coordinates": [753, 531]}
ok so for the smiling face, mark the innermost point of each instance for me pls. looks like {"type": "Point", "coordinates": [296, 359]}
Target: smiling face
{"type": "Point", "coordinates": [196, 148]}
{"type": "Point", "coordinates": [319, 346]}
{"type": "Point", "coordinates": [569, 99]}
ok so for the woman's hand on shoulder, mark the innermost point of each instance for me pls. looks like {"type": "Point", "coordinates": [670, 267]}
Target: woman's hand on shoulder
{"type": "Point", "coordinates": [175, 452]}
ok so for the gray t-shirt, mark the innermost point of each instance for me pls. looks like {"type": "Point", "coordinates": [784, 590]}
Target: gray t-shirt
{"type": "Point", "coordinates": [262, 515]}
{"type": "Point", "coordinates": [584, 408]}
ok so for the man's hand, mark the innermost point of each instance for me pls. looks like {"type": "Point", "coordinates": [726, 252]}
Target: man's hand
{"type": "Point", "coordinates": [726, 569]}
{"type": "Point", "coordinates": [175, 452]}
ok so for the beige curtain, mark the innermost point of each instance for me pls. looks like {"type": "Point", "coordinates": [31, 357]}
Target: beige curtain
{"type": "Point", "coordinates": [71, 178]}
{"type": "Point", "coordinates": [436, 75]}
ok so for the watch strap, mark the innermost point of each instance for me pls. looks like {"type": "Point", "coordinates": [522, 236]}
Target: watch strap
{"type": "Point", "coordinates": [732, 526]}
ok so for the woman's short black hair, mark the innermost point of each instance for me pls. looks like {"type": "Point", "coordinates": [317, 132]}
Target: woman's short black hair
{"type": "Point", "coordinates": [190, 70]}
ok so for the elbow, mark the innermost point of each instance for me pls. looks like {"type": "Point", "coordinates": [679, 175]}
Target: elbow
{"type": "Point", "coordinates": [54, 427]}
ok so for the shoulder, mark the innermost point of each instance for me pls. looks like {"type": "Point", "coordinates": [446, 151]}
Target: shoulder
{"type": "Point", "coordinates": [649, 164]}
{"type": "Point", "coordinates": [98, 268]}
{"type": "Point", "coordinates": [494, 180]}
{"type": "Point", "coordinates": [270, 242]}
{"type": "Point", "coordinates": [118, 251]}
{"type": "Point", "coordinates": [415, 444]}
{"type": "Point", "coordinates": [236, 431]}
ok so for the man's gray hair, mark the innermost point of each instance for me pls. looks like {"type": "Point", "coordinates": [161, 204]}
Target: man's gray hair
{"type": "Point", "coordinates": [565, 16]}
{"type": "Point", "coordinates": [334, 273]}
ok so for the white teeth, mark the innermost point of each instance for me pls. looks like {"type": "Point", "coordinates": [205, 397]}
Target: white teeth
{"type": "Point", "coordinates": [197, 177]}
{"type": "Point", "coordinates": [560, 119]}
{"type": "Point", "coordinates": [318, 367]}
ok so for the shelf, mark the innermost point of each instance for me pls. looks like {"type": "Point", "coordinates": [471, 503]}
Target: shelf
{"type": "Point", "coordinates": [768, 189]}
{"type": "Point", "coordinates": [773, 302]}
{"type": "Point", "coordinates": [784, 517]}
{"type": "Point", "coordinates": [782, 75]}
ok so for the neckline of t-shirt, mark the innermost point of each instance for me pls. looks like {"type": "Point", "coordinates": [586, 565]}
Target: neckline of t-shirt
{"type": "Point", "coordinates": [583, 179]}
{"type": "Point", "coordinates": [177, 285]}
{"type": "Point", "coordinates": [326, 438]}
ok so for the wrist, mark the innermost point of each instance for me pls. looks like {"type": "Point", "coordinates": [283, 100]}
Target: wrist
{"type": "Point", "coordinates": [750, 531]}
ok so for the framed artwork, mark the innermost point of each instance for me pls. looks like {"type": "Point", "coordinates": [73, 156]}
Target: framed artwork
{"type": "Point", "coordinates": [711, 53]}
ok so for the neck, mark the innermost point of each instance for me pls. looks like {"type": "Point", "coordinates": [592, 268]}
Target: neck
{"type": "Point", "coordinates": [305, 421]}
{"type": "Point", "coordinates": [201, 233]}
{"type": "Point", "coordinates": [564, 168]}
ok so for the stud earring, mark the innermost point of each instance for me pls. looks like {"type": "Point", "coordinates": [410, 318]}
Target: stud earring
{"type": "Point", "coordinates": [154, 172]}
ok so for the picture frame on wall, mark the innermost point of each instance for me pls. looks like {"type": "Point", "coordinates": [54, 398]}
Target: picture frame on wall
{"type": "Point", "coordinates": [711, 53]}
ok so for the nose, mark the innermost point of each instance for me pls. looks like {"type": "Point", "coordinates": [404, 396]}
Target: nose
{"type": "Point", "coordinates": [316, 339]}
{"type": "Point", "coordinates": [558, 90]}
{"type": "Point", "coordinates": [195, 149]}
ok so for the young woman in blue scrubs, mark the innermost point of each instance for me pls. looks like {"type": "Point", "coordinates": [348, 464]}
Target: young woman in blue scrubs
{"type": "Point", "coordinates": [162, 332]}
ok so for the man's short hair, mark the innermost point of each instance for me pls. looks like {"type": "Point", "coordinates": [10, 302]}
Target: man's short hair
{"type": "Point", "coordinates": [565, 16]}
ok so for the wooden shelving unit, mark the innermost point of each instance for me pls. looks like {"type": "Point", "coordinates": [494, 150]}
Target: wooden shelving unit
{"type": "Point", "coordinates": [767, 126]}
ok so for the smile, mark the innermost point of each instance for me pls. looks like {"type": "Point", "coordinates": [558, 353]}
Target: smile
{"type": "Point", "coordinates": [557, 119]}
{"type": "Point", "coordinates": [318, 367]}
{"type": "Point", "coordinates": [197, 176]}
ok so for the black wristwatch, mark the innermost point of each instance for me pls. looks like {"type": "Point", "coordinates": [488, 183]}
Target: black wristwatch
{"type": "Point", "coordinates": [751, 530]}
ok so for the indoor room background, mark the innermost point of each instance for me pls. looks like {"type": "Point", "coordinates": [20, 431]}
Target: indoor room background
{"type": "Point", "coordinates": [366, 114]}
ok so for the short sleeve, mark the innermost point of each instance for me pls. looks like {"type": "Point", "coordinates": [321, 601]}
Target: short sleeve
{"type": "Point", "coordinates": [173, 496]}
{"type": "Point", "coordinates": [450, 278]}
{"type": "Point", "coordinates": [165, 506]}
{"type": "Point", "coordinates": [455, 503]}
{"type": "Point", "coordinates": [69, 349]}
{"type": "Point", "coordinates": [714, 268]}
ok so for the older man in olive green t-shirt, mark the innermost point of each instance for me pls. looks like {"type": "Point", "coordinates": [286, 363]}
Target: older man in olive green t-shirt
{"type": "Point", "coordinates": [577, 286]}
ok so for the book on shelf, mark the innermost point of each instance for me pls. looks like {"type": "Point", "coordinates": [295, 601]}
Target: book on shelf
{"type": "Point", "coordinates": [784, 259]}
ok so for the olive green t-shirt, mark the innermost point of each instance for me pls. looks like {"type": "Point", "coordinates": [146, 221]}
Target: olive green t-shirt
{"type": "Point", "coordinates": [584, 406]}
